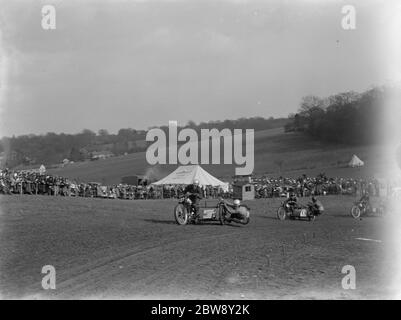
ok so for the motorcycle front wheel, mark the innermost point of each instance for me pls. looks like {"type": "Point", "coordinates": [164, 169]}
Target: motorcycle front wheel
{"type": "Point", "coordinates": [355, 212]}
{"type": "Point", "coordinates": [221, 216]}
{"type": "Point", "coordinates": [181, 214]}
{"type": "Point", "coordinates": [281, 213]}
{"type": "Point", "coordinates": [246, 220]}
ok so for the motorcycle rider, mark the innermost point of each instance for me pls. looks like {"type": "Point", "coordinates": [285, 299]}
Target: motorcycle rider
{"type": "Point", "coordinates": [232, 209]}
{"type": "Point", "coordinates": [365, 200]}
{"type": "Point", "coordinates": [291, 201]}
{"type": "Point", "coordinates": [194, 193]}
{"type": "Point", "coordinates": [365, 197]}
{"type": "Point", "coordinates": [316, 206]}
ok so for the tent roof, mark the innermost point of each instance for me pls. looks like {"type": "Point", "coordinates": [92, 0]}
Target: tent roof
{"type": "Point", "coordinates": [187, 174]}
{"type": "Point", "coordinates": [355, 162]}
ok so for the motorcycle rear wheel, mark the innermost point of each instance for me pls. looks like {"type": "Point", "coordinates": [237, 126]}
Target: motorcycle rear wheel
{"type": "Point", "coordinates": [221, 218]}
{"type": "Point", "coordinates": [355, 212]}
{"type": "Point", "coordinates": [181, 214]}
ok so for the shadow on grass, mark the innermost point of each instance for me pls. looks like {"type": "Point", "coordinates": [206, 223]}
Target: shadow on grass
{"type": "Point", "coordinates": [203, 223]}
{"type": "Point", "coordinates": [160, 221]}
{"type": "Point", "coordinates": [348, 216]}
{"type": "Point", "coordinates": [267, 217]}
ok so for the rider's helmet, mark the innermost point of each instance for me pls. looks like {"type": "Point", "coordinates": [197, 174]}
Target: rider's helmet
{"type": "Point", "coordinates": [196, 182]}
{"type": "Point", "coordinates": [314, 199]}
{"type": "Point", "coordinates": [237, 202]}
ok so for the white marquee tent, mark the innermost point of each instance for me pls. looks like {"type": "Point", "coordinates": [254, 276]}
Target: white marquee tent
{"type": "Point", "coordinates": [187, 174]}
{"type": "Point", "coordinates": [355, 162]}
{"type": "Point", "coordinates": [42, 169]}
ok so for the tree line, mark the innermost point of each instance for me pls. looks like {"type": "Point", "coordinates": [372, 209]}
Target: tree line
{"type": "Point", "coordinates": [350, 117]}
{"type": "Point", "coordinates": [53, 148]}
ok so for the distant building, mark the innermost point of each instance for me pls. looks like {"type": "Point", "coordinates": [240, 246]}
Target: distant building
{"type": "Point", "coordinates": [243, 188]}
{"type": "Point", "coordinates": [99, 155]}
{"type": "Point", "coordinates": [65, 162]}
{"type": "Point", "coordinates": [135, 180]}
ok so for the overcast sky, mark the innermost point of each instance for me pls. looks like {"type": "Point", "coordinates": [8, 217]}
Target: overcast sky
{"type": "Point", "coordinates": [118, 64]}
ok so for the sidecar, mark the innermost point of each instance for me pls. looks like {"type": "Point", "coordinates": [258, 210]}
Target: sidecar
{"type": "Point", "coordinates": [299, 213]}
{"type": "Point", "coordinates": [184, 213]}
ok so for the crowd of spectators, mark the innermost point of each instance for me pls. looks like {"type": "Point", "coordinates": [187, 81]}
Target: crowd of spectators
{"type": "Point", "coordinates": [35, 183]}
{"type": "Point", "coordinates": [305, 186]}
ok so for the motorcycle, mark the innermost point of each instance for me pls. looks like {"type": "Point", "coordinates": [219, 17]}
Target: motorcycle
{"type": "Point", "coordinates": [363, 209]}
{"type": "Point", "coordinates": [301, 212]}
{"type": "Point", "coordinates": [184, 213]}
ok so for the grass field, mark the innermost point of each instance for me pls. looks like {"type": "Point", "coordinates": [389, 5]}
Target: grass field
{"type": "Point", "coordinates": [133, 249]}
{"type": "Point", "coordinates": [300, 154]}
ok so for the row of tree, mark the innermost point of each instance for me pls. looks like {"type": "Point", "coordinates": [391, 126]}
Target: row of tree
{"type": "Point", "coordinates": [52, 148]}
{"type": "Point", "coordinates": [349, 117]}
{"type": "Point", "coordinates": [256, 123]}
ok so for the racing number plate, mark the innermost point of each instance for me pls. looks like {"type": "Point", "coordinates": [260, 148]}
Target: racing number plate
{"type": "Point", "coordinates": [209, 213]}
{"type": "Point", "coordinates": [303, 213]}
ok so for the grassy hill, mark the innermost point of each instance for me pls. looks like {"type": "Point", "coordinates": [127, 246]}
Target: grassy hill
{"type": "Point", "coordinates": [299, 154]}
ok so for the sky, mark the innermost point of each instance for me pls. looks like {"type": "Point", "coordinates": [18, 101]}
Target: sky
{"type": "Point", "coordinates": [135, 64]}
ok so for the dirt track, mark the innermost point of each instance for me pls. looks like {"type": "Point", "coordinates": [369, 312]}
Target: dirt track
{"type": "Point", "coordinates": [134, 249]}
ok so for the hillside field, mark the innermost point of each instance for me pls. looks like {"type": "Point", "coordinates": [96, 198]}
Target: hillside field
{"type": "Point", "coordinates": [299, 153]}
